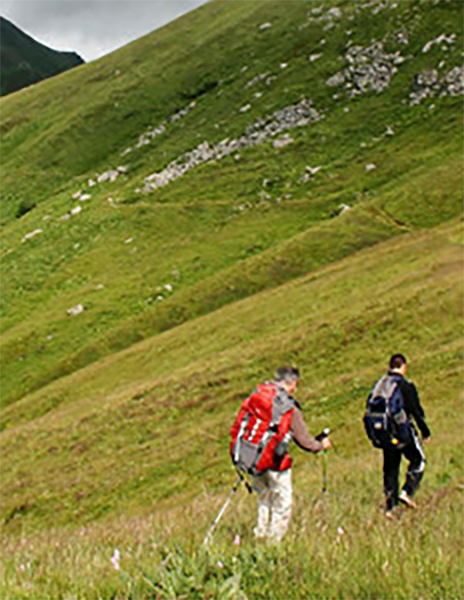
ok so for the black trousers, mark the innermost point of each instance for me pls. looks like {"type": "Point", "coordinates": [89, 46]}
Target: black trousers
{"type": "Point", "coordinates": [391, 469]}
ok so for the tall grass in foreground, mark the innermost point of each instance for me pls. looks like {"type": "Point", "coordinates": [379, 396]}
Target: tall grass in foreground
{"type": "Point", "coordinates": [339, 546]}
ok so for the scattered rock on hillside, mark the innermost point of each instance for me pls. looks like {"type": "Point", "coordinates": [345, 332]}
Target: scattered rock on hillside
{"type": "Point", "coordinates": [369, 69]}
{"type": "Point", "coordinates": [256, 79]}
{"type": "Point", "coordinates": [110, 176]}
{"type": "Point", "coordinates": [428, 84]}
{"type": "Point", "coordinates": [81, 196]}
{"type": "Point", "coordinates": [152, 132]}
{"type": "Point", "coordinates": [75, 310]}
{"type": "Point", "coordinates": [336, 80]}
{"type": "Point", "coordinates": [32, 234]}
{"type": "Point", "coordinates": [261, 131]}
{"type": "Point", "coordinates": [282, 141]}
{"type": "Point", "coordinates": [370, 167]}
{"type": "Point", "coordinates": [309, 173]}
{"type": "Point", "coordinates": [454, 82]}
{"type": "Point", "coordinates": [440, 40]}
{"type": "Point", "coordinates": [341, 210]}
{"type": "Point", "coordinates": [327, 19]}
{"type": "Point", "coordinates": [403, 37]}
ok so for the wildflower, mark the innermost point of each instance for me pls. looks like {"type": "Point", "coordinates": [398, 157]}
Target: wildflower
{"type": "Point", "coordinates": [22, 567]}
{"type": "Point", "coordinates": [115, 560]}
{"type": "Point", "coordinates": [220, 564]}
{"type": "Point", "coordinates": [237, 540]}
{"type": "Point", "coordinates": [340, 531]}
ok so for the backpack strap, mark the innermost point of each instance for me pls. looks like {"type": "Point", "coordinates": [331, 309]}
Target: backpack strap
{"type": "Point", "coordinates": [281, 404]}
{"type": "Point", "coordinates": [239, 437]}
{"type": "Point", "coordinates": [385, 387]}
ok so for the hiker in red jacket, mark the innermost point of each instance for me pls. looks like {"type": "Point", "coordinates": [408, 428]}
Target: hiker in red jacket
{"type": "Point", "coordinates": [267, 421]}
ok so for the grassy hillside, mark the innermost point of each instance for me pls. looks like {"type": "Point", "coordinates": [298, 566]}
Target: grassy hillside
{"type": "Point", "coordinates": [116, 256]}
{"type": "Point", "coordinates": [321, 226]}
{"type": "Point", "coordinates": [24, 61]}
{"type": "Point", "coordinates": [143, 436]}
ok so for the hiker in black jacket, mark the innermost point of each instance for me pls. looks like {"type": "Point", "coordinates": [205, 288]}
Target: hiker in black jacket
{"type": "Point", "coordinates": [412, 450]}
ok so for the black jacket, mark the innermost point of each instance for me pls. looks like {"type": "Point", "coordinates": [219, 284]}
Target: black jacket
{"type": "Point", "coordinates": [412, 404]}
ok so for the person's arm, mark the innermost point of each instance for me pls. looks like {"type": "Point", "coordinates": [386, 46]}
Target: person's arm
{"type": "Point", "coordinates": [301, 435]}
{"type": "Point", "coordinates": [414, 409]}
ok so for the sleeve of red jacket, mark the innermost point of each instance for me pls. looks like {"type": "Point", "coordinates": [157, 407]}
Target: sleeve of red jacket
{"type": "Point", "coordinates": [301, 435]}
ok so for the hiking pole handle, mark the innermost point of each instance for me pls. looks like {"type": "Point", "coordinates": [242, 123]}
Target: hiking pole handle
{"type": "Point", "coordinates": [324, 433]}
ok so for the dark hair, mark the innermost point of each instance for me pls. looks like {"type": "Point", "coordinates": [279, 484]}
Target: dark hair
{"type": "Point", "coordinates": [287, 374]}
{"type": "Point", "coordinates": [397, 361]}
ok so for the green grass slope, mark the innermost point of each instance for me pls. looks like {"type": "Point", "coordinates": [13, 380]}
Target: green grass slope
{"type": "Point", "coordinates": [232, 219]}
{"type": "Point", "coordinates": [145, 431]}
{"type": "Point", "coordinates": [115, 421]}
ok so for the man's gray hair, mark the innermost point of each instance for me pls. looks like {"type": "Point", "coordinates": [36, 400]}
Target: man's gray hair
{"type": "Point", "coordinates": [287, 374]}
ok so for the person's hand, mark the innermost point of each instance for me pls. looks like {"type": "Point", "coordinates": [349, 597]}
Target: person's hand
{"type": "Point", "coordinates": [426, 440]}
{"type": "Point", "coordinates": [326, 443]}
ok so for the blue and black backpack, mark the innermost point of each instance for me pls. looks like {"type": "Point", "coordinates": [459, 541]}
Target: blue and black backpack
{"type": "Point", "coordinates": [385, 420]}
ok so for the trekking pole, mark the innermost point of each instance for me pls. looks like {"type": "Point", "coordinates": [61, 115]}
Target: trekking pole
{"type": "Point", "coordinates": [324, 433]}
{"type": "Point", "coordinates": [324, 471]}
{"type": "Point", "coordinates": [235, 487]}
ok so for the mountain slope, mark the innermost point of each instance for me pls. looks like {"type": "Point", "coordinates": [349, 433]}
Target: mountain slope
{"type": "Point", "coordinates": [132, 451]}
{"type": "Point", "coordinates": [69, 240]}
{"type": "Point", "coordinates": [255, 184]}
{"type": "Point", "coordinates": [25, 61]}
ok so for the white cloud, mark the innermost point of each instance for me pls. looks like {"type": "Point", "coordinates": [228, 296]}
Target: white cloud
{"type": "Point", "coordinates": [92, 28]}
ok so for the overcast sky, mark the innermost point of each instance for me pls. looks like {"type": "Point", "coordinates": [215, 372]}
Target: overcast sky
{"type": "Point", "coordinates": [92, 28]}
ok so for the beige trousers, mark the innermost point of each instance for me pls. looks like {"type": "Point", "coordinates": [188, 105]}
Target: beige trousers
{"type": "Point", "coordinates": [274, 490]}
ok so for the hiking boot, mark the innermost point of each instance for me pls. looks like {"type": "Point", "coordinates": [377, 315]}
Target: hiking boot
{"type": "Point", "coordinates": [391, 513]}
{"type": "Point", "coordinates": [406, 499]}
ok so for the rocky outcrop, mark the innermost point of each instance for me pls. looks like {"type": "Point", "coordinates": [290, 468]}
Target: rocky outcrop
{"type": "Point", "coordinates": [111, 175]}
{"type": "Point", "coordinates": [369, 69]}
{"type": "Point", "coordinates": [153, 132]}
{"type": "Point", "coordinates": [441, 40]}
{"type": "Point", "coordinates": [261, 131]}
{"type": "Point", "coordinates": [429, 84]}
